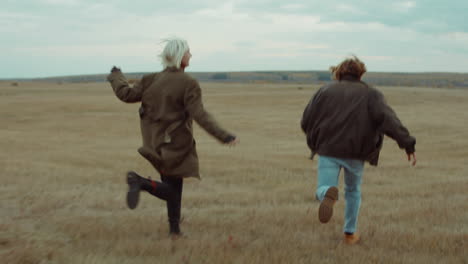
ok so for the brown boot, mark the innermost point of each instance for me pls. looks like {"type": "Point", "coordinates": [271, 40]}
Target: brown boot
{"type": "Point", "coordinates": [326, 206]}
{"type": "Point", "coordinates": [351, 239]}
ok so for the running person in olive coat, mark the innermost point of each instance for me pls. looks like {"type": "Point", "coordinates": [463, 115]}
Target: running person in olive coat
{"type": "Point", "coordinates": [170, 100]}
{"type": "Point", "coordinates": [345, 122]}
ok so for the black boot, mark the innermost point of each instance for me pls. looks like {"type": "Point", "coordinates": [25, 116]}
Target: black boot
{"type": "Point", "coordinates": [174, 228]}
{"type": "Point", "coordinates": [134, 186]}
{"type": "Point", "coordinates": [136, 183]}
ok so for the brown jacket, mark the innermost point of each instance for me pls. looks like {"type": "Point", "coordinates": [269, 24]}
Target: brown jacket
{"type": "Point", "coordinates": [348, 118]}
{"type": "Point", "coordinates": [170, 100]}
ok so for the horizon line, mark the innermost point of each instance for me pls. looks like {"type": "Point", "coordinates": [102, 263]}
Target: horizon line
{"type": "Point", "coordinates": [145, 72]}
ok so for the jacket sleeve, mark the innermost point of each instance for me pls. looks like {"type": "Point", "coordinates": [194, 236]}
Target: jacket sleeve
{"type": "Point", "coordinates": [194, 106]}
{"type": "Point", "coordinates": [122, 89]}
{"type": "Point", "coordinates": [388, 123]}
{"type": "Point", "coordinates": [307, 116]}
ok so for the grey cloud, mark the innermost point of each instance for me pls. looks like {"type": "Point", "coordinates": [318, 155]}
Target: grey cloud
{"type": "Point", "coordinates": [233, 32]}
{"type": "Point", "coordinates": [445, 17]}
{"type": "Point", "coordinates": [411, 14]}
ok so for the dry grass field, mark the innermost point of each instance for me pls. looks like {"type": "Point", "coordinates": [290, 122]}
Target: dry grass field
{"type": "Point", "coordinates": [65, 149]}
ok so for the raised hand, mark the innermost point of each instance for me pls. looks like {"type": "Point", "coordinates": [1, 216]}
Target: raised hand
{"type": "Point", "coordinates": [232, 143]}
{"type": "Point", "coordinates": [412, 158]}
{"type": "Point", "coordinates": [115, 69]}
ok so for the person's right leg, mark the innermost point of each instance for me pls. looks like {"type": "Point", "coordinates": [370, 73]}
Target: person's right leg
{"type": "Point", "coordinates": [174, 205]}
{"type": "Point", "coordinates": [327, 191]}
{"type": "Point", "coordinates": [353, 177]}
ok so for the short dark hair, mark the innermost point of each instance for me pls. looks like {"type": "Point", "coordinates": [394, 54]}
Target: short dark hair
{"type": "Point", "coordinates": [350, 66]}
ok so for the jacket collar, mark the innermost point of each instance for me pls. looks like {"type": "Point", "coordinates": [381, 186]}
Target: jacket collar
{"type": "Point", "coordinates": [349, 77]}
{"type": "Point", "coordinates": [173, 69]}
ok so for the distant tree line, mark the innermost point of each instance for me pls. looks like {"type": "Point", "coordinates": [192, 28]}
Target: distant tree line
{"type": "Point", "coordinates": [220, 76]}
{"type": "Point", "coordinates": [442, 80]}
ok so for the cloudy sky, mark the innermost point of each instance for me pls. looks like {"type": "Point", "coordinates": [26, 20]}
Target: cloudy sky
{"type": "Point", "coordinates": [40, 38]}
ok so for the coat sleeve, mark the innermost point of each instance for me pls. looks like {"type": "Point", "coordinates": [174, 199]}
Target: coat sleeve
{"type": "Point", "coordinates": [122, 89]}
{"type": "Point", "coordinates": [388, 123]}
{"type": "Point", "coordinates": [194, 106]}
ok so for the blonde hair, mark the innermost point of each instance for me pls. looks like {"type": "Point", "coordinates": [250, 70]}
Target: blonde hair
{"type": "Point", "coordinates": [173, 52]}
{"type": "Point", "coordinates": [350, 66]}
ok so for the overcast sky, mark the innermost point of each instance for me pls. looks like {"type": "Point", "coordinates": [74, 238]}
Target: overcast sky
{"type": "Point", "coordinates": [40, 38]}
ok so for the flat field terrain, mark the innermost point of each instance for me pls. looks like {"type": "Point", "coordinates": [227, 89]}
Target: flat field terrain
{"type": "Point", "coordinates": [65, 149]}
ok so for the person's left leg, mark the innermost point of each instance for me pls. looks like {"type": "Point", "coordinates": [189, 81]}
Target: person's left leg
{"type": "Point", "coordinates": [137, 183]}
{"type": "Point", "coordinates": [352, 177]}
{"type": "Point", "coordinates": [327, 191]}
{"type": "Point", "coordinates": [328, 171]}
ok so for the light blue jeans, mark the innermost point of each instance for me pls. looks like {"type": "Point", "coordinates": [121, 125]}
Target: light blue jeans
{"type": "Point", "coordinates": [328, 173]}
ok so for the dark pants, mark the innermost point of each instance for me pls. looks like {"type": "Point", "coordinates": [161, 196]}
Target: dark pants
{"type": "Point", "coordinates": [174, 201]}
{"type": "Point", "coordinates": [169, 190]}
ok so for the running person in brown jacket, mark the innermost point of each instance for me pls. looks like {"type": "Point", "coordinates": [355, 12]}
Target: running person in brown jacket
{"type": "Point", "coordinates": [345, 122]}
{"type": "Point", "coordinates": [170, 100]}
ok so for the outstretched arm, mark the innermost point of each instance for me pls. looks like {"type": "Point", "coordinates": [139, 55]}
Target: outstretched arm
{"type": "Point", "coordinates": [194, 106]}
{"type": "Point", "coordinates": [388, 123]}
{"type": "Point", "coordinates": [122, 89]}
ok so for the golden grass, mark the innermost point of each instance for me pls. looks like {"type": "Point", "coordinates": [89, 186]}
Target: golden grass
{"type": "Point", "coordinates": [66, 148]}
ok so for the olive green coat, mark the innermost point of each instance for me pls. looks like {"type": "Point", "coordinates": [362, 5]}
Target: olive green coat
{"type": "Point", "coordinates": [170, 100]}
